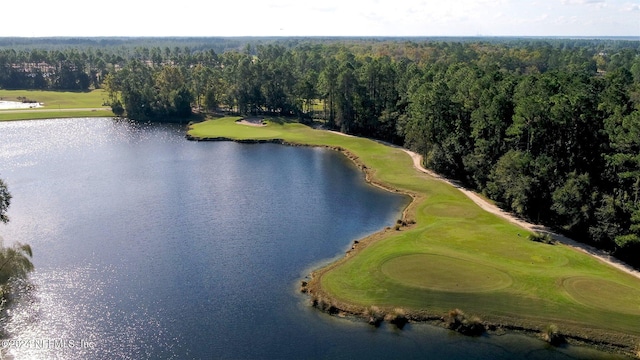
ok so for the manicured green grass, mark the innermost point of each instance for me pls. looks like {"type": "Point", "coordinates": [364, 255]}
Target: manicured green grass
{"type": "Point", "coordinates": [588, 291]}
{"type": "Point", "coordinates": [61, 114]}
{"type": "Point", "coordinates": [435, 272]}
{"type": "Point", "coordinates": [459, 256]}
{"type": "Point", "coordinates": [57, 104]}
{"type": "Point", "coordinates": [59, 99]}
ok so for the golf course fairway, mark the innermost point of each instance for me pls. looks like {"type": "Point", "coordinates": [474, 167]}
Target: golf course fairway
{"type": "Point", "coordinates": [450, 254]}
{"type": "Point", "coordinates": [56, 104]}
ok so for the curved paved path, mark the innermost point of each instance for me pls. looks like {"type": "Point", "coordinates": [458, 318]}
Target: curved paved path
{"type": "Point", "coordinates": [487, 206]}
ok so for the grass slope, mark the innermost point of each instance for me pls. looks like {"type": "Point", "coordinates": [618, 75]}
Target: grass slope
{"type": "Point", "coordinates": [459, 256]}
{"type": "Point", "coordinates": [57, 104]}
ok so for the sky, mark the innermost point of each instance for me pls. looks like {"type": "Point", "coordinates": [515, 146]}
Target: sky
{"type": "Point", "coordinates": [44, 18]}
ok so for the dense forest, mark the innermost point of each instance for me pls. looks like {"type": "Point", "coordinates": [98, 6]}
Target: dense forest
{"type": "Point", "coordinates": [548, 128]}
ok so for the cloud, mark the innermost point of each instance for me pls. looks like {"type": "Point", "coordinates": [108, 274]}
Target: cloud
{"type": "Point", "coordinates": [598, 4]}
{"type": "Point", "coordinates": [630, 7]}
{"type": "Point", "coordinates": [566, 20]}
{"type": "Point", "coordinates": [583, 2]}
{"type": "Point", "coordinates": [326, 9]}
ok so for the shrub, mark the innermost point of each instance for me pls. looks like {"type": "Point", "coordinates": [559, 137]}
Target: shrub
{"type": "Point", "coordinates": [117, 108]}
{"type": "Point", "coordinates": [324, 305]}
{"type": "Point", "coordinates": [542, 237]}
{"type": "Point", "coordinates": [374, 315]}
{"type": "Point", "coordinates": [551, 335]}
{"type": "Point", "coordinates": [397, 317]}
{"type": "Point", "coordinates": [457, 320]}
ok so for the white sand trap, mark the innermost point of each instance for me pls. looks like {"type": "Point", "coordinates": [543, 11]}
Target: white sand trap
{"type": "Point", "coordinates": [5, 105]}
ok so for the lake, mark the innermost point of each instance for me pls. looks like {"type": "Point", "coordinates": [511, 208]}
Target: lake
{"type": "Point", "coordinates": [149, 246]}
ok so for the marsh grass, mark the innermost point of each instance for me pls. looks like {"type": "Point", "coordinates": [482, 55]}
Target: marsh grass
{"type": "Point", "coordinates": [397, 317]}
{"type": "Point", "coordinates": [374, 315]}
{"type": "Point", "coordinates": [551, 334]}
{"type": "Point", "coordinates": [458, 321]}
{"type": "Point", "coordinates": [325, 305]}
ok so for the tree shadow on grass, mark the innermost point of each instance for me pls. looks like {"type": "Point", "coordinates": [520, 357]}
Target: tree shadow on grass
{"type": "Point", "coordinates": [281, 120]}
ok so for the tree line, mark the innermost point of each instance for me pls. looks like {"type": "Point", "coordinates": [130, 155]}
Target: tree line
{"type": "Point", "coordinates": [550, 129]}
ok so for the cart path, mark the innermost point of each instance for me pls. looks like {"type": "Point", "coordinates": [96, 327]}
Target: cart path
{"type": "Point", "coordinates": [493, 209]}
{"type": "Point", "coordinates": [489, 207]}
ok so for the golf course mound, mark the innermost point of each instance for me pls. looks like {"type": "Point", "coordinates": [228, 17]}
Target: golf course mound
{"type": "Point", "coordinates": [443, 273]}
{"type": "Point", "coordinates": [541, 258]}
{"type": "Point", "coordinates": [603, 294]}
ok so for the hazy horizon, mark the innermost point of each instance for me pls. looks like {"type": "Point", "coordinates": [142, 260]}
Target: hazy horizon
{"type": "Point", "coordinates": [286, 18]}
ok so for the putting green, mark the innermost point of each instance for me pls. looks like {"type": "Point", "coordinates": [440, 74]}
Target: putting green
{"type": "Point", "coordinates": [443, 273]}
{"type": "Point", "coordinates": [603, 294]}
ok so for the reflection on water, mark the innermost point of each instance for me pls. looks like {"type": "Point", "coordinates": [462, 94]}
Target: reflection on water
{"type": "Point", "coordinates": [58, 317]}
{"type": "Point", "coordinates": [150, 246]}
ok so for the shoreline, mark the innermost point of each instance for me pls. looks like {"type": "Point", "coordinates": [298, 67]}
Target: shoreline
{"type": "Point", "coordinates": [573, 334]}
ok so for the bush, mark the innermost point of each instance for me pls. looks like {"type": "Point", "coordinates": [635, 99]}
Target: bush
{"type": "Point", "coordinates": [324, 305]}
{"type": "Point", "coordinates": [542, 238]}
{"type": "Point", "coordinates": [551, 335]}
{"type": "Point", "coordinates": [397, 317]}
{"type": "Point", "coordinates": [374, 315]}
{"type": "Point", "coordinates": [117, 108]}
{"type": "Point", "coordinates": [460, 322]}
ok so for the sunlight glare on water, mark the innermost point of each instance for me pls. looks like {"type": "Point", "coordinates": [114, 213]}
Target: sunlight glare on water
{"type": "Point", "coordinates": [62, 320]}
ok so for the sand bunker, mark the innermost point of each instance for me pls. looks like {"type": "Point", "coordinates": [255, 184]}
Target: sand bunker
{"type": "Point", "coordinates": [253, 121]}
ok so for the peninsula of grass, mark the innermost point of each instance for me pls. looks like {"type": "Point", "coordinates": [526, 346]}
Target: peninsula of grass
{"type": "Point", "coordinates": [57, 104]}
{"type": "Point", "coordinates": [456, 256]}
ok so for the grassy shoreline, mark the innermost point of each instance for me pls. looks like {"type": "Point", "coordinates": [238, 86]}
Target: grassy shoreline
{"type": "Point", "coordinates": [455, 256]}
{"type": "Point", "coordinates": [477, 262]}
